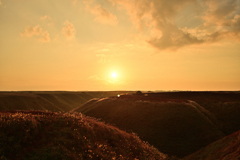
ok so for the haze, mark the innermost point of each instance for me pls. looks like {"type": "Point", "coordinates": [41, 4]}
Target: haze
{"type": "Point", "coordinates": [120, 45]}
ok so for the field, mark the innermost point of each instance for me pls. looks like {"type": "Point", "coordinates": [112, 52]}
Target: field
{"type": "Point", "coordinates": [176, 123]}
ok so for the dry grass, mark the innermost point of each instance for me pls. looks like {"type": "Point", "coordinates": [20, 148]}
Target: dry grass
{"type": "Point", "coordinates": [48, 100]}
{"type": "Point", "coordinates": [174, 127]}
{"type": "Point", "coordinates": [227, 148]}
{"type": "Point", "coordinates": [49, 135]}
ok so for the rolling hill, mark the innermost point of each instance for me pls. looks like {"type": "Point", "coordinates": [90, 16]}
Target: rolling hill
{"type": "Point", "coordinates": [177, 123]}
{"type": "Point", "coordinates": [225, 148]}
{"type": "Point", "coordinates": [48, 100]}
{"type": "Point", "coordinates": [175, 126]}
{"type": "Point", "coordinates": [224, 106]}
{"type": "Point", "coordinates": [49, 135]}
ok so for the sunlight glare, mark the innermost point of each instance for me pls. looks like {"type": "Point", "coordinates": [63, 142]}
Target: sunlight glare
{"type": "Point", "coordinates": [114, 75]}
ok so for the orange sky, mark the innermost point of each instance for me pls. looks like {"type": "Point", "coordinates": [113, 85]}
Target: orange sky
{"type": "Point", "coordinates": [148, 45]}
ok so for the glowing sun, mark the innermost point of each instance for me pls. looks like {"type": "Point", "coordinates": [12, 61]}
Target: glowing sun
{"type": "Point", "coordinates": [114, 75]}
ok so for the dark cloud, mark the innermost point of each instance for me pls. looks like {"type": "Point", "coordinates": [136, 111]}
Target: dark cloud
{"type": "Point", "coordinates": [168, 41]}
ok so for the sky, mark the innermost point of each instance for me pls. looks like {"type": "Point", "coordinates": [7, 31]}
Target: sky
{"type": "Point", "coordinates": [101, 45]}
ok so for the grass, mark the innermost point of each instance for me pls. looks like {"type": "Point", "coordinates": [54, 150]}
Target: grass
{"type": "Point", "coordinates": [50, 135]}
{"type": "Point", "coordinates": [48, 100]}
{"type": "Point", "coordinates": [227, 114]}
{"type": "Point", "coordinates": [166, 119]}
{"type": "Point", "coordinates": [225, 148]}
{"type": "Point", "coordinates": [174, 127]}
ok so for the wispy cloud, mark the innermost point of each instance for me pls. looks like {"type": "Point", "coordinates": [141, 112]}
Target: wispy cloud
{"type": "Point", "coordinates": [157, 15]}
{"type": "Point", "coordinates": [219, 13]}
{"type": "Point", "coordinates": [44, 37]}
{"type": "Point", "coordinates": [68, 30]}
{"type": "Point", "coordinates": [36, 31]}
{"type": "Point", "coordinates": [103, 55]}
{"type": "Point", "coordinates": [224, 17]}
{"type": "Point", "coordinates": [44, 17]}
{"type": "Point", "coordinates": [31, 31]}
{"type": "Point", "coordinates": [220, 20]}
{"type": "Point", "coordinates": [102, 15]}
{"type": "Point", "coordinates": [47, 19]}
{"type": "Point", "coordinates": [103, 58]}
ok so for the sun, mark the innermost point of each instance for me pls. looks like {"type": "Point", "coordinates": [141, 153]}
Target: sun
{"type": "Point", "coordinates": [114, 75]}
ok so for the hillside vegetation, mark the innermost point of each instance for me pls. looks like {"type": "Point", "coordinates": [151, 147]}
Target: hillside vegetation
{"type": "Point", "coordinates": [49, 135]}
{"type": "Point", "coordinates": [52, 100]}
{"type": "Point", "coordinates": [174, 126]}
{"type": "Point", "coordinates": [224, 149]}
{"type": "Point", "coordinates": [224, 106]}
{"type": "Point", "coordinates": [177, 123]}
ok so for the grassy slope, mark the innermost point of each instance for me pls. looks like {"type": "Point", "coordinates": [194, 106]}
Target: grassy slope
{"type": "Point", "coordinates": [176, 128]}
{"type": "Point", "coordinates": [225, 148]}
{"type": "Point", "coordinates": [227, 114]}
{"type": "Point", "coordinates": [223, 106]}
{"type": "Point", "coordinates": [48, 135]}
{"type": "Point", "coordinates": [52, 101]}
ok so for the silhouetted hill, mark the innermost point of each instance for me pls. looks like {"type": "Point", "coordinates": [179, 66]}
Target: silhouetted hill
{"type": "Point", "coordinates": [224, 106]}
{"type": "Point", "coordinates": [177, 123]}
{"type": "Point", "coordinates": [49, 135]}
{"type": "Point", "coordinates": [52, 100]}
{"type": "Point", "coordinates": [203, 96]}
{"type": "Point", "coordinates": [175, 126]}
{"type": "Point", "coordinates": [225, 148]}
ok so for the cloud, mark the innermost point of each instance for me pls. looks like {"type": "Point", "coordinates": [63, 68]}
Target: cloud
{"type": "Point", "coordinates": [157, 16]}
{"type": "Point", "coordinates": [224, 17]}
{"type": "Point", "coordinates": [0, 2]}
{"type": "Point", "coordinates": [218, 19]}
{"type": "Point", "coordinates": [236, 23]}
{"type": "Point", "coordinates": [31, 31]}
{"type": "Point", "coordinates": [103, 55]}
{"type": "Point", "coordinates": [103, 58]}
{"type": "Point", "coordinates": [68, 30]}
{"type": "Point", "coordinates": [47, 19]}
{"type": "Point", "coordinates": [45, 37]}
{"type": "Point", "coordinates": [174, 39]}
{"type": "Point", "coordinates": [36, 31]}
{"type": "Point", "coordinates": [219, 12]}
{"type": "Point", "coordinates": [102, 15]}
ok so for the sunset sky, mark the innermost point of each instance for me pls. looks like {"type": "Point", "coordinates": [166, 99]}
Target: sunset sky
{"type": "Point", "coordinates": [97, 45]}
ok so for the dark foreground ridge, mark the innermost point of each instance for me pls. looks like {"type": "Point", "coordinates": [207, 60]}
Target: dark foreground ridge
{"type": "Point", "coordinates": [225, 148]}
{"type": "Point", "coordinates": [49, 135]}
